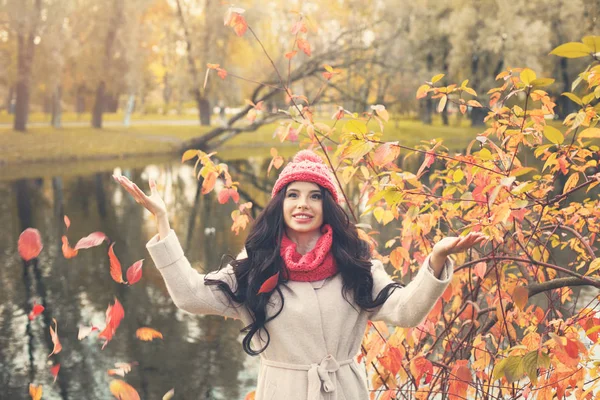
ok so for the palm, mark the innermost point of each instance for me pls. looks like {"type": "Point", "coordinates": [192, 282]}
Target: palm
{"type": "Point", "coordinates": [153, 203]}
{"type": "Point", "coordinates": [452, 244]}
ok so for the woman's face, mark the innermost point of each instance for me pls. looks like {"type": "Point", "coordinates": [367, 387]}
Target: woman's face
{"type": "Point", "coordinates": [303, 207]}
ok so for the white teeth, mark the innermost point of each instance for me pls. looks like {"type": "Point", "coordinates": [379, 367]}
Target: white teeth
{"type": "Point", "coordinates": [302, 217]}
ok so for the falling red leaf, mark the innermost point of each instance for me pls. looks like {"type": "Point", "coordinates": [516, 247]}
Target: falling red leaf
{"type": "Point", "coordinates": [54, 335]}
{"type": "Point", "coordinates": [36, 310]}
{"type": "Point", "coordinates": [114, 315]}
{"type": "Point", "coordinates": [92, 240]}
{"type": "Point", "coordinates": [68, 251]}
{"type": "Point", "coordinates": [67, 222]}
{"type": "Point", "coordinates": [134, 273]}
{"type": "Point", "coordinates": [115, 265]}
{"type": "Point", "coordinates": [304, 46]}
{"type": "Point", "coordinates": [30, 244]}
{"type": "Point", "coordinates": [269, 284]}
{"type": "Point", "coordinates": [291, 54]}
{"type": "Point", "coordinates": [123, 391]}
{"type": "Point", "coordinates": [84, 331]}
{"type": "Point", "coordinates": [54, 371]}
{"type": "Point", "coordinates": [147, 334]}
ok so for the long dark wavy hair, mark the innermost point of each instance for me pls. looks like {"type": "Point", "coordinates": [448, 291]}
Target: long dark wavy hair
{"type": "Point", "coordinates": [352, 256]}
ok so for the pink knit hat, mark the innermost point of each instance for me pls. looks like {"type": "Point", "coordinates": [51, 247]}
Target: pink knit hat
{"type": "Point", "coordinates": [309, 167]}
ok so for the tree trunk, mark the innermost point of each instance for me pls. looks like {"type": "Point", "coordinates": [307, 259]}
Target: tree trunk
{"type": "Point", "coordinates": [445, 115]}
{"type": "Point", "coordinates": [98, 106]}
{"type": "Point", "coordinates": [24, 61]}
{"type": "Point", "coordinates": [204, 110]}
{"type": "Point", "coordinates": [57, 107]}
{"type": "Point", "coordinates": [477, 116]}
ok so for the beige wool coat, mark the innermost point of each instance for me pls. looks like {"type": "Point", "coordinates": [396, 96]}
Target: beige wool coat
{"type": "Point", "coordinates": [314, 341]}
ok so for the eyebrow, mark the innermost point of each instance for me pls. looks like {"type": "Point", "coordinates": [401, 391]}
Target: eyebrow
{"type": "Point", "coordinates": [296, 190]}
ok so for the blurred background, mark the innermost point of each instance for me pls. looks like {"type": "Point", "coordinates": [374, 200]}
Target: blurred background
{"type": "Point", "coordinates": [91, 88]}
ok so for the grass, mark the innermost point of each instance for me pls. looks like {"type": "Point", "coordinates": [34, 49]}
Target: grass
{"type": "Point", "coordinates": [44, 151]}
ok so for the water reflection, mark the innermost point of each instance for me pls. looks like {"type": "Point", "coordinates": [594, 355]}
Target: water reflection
{"type": "Point", "coordinates": [200, 356]}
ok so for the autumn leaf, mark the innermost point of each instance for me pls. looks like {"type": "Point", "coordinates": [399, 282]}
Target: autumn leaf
{"type": "Point", "coordinates": [55, 340]}
{"type": "Point", "coordinates": [67, 222]}
{"type": "Point", "coordinates": [419, 367]}
{"type": "Point", "coordinates": [227, 193]}
{"type": "Point", "coordinates": [29, 244]}
{"type": "Point", "coordinates": [572, 50]}
{"type": "Point", "coordinates": [269, 284]}
{"type": "Point", "coordinates": [209, 182]}
{"type": "Point", "coordinates": [67, 250]}
{"type": "Point", "coordinates": [299, 27]}
{"type": "Point", "coordinates": [392, 359]}
{"type": "Point", "coordinates": [251, 395]}
{"type": "Point", "coordinates": [123, 391]}
{"type": "Point", "coordinates": [147, 334]}
{"type": "Point", "coordinates": [35, 311]}
{"type": "Point", "coordinates": [381, 112]}
{"type": "Point", "coordinates": [35, 391]}
{"type": "Point", "coordinates": [461, 378]}
{"type": "Point", "coordinates": [442, 104]}
{"type": "Point", "coordinates": [422, 91]}
{"type": "Point", "coordinates": [121, 369]}
{"type": "Point", "coordinates": [54, 371]}
{"type": "Point", "coordinates": [134, 272]}
{"type": "Point", "coordinates": [291, 54]}
{"type": "Point", "coordinates": [114, 315]}
{"type": "Point", "coordinates": [303, 45]}
{"type": "Point", "coordinates": [521, 296]}
{"type": "Point", "coordinates": [92, 240]}
{"type": "Point", "coordinates": [169, 395]}
{"type": "Point", "coordinates": [115, 265]}
{"type": "Point", "coordinates": [386, 153]}
{"type": "Point", "coordinates": [84, 331]}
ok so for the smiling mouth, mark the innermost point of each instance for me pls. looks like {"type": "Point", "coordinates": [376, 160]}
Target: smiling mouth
{"type": "Point", "coordinates": [302, 217]}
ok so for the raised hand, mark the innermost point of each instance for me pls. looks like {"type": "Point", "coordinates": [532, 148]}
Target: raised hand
{"type": "Point", "coordinates": [153, 203]}
{"type": "Point", "coordinates": [452, 244]}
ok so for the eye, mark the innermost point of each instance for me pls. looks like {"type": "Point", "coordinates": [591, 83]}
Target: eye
{"type": "Point", "coordinates": [290, 194]}
{"type": "Point", "coordinates": [316, 196]}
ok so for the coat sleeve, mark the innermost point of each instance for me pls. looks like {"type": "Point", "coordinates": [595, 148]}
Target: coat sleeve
{"type": "Point", "coordinates": [186, 285]}
{"type": "Point", "coordinates": [409, 306]}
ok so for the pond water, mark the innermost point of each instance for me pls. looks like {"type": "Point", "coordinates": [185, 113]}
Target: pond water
{"type": "Point", "coordinates": [200, 356]}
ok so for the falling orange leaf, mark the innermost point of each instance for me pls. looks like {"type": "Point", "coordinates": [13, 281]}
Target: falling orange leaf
{"type": "Point", "coordinates": [92, 240]}
{"type": "Point", "coordinates": [134, 273]}
{"type": "Point", "coordinates": [35, 391]}
{"type": "Point", "coordinates": [269, 284]}
{"type": "Point", "coordinates": [67, 250]}
{"type": "Point", "coordinates": [291, 54]}
{"type": "Point", "coordinates": [30, 244]}
{"type": "Point", "coordinates": [147, 334]}
{"type": "Point", "coordinates": [114, 315]}
{"type": "Point", "coordinates": [67, 221]}
{"type": "Point", "coordinates": [35, 311]}
{"type": "Point", "coordinates": [115, 265]}
{"type": "Point", "coordinates": [54, 335]}
{"type": "Point", "coordinates": [123, 391]}
{"type": "Point", "coordinates": [54, 371]}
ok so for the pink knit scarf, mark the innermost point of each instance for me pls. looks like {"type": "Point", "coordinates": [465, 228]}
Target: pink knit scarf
{"type": "Point", "coordinates": [313, 266]}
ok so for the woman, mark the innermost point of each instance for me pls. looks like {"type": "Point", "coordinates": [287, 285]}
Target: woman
{"type": "Point", "coordinates": [307, 329]}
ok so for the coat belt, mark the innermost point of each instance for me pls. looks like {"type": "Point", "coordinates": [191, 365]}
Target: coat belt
{"type": "Point", "coordinates": [318, 374]}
